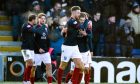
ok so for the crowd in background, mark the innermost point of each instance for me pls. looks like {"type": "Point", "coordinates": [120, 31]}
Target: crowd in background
{"type": "Point", "coordinates": [115, 22]}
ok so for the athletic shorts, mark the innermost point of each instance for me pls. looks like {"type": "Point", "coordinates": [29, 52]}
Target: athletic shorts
{"type": "Point", "coordinates": [90, 58]}
{"type": "Point", "coordinates": [45, 58]}
{"type": "Point", "coordinates": [86, 56]}
{"type": "Point", "coordinates": [70, 52]}
{"type": "Point", "coordinates": [27, 54]}
{"type": "Point", "coordinates": [72, 66]}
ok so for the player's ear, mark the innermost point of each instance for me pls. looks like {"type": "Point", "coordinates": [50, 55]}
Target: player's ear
{"type": "Point", "coordinates": [38, 20]}
{"type": "Point", "coordinates": [73, 12]}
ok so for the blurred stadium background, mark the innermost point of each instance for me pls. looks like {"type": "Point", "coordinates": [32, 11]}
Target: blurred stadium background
{"type": "Point", "coordinates": [11, 61]}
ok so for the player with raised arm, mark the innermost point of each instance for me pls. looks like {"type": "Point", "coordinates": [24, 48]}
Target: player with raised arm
{"type": "Point", "coordinates": [84, 41]}
{"type": "Point", "coordinates": [70, 48]}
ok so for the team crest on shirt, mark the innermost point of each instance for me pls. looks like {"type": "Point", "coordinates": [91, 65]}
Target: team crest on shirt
{"type": "Point", "coordinates": [43, 35]}
{"type": "Point", "coordinates": [75, 22]}
{"type": "Point", "coordinates": [28, 26]}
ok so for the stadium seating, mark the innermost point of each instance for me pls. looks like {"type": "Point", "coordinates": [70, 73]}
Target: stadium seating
{"type": "Point", "coordinates": [6, 40]}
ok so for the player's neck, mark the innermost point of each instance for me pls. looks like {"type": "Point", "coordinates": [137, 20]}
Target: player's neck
{"type": "Point", "coordinates": [72, 16]}
{"type": "Point", "coordinates": [31, 23]}
{"type": "Point", "coordinates": [40, 24]}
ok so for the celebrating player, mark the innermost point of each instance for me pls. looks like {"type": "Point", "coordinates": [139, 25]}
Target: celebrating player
{"type": "Point", "coordinates": [83, 44]}
{"type": "Point", "coordinates": [28, 43]}
{"type": "Point", "coordinates": [42, 47]}
{"type": "Point", "coordinates": [70, 48]}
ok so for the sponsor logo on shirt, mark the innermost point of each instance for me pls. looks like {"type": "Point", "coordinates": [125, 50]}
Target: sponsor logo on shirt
{"type": "Point", "coordinates": [28, 26]}
{"type": "Point", "coordinates": [43, 35]}
{"type": "Point", "coordinates": [75, 22]}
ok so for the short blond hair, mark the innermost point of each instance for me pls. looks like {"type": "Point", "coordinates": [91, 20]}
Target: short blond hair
{"type": "Point", "coordinates": [74, 8]}
{"type": "Point", "coordinates": [83, 14]}
{"type": "Point", "coordinates": [40, 15]}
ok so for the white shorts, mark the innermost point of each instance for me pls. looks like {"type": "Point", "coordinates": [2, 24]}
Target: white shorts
{"type": "Point", "coordinates": [45, 58]}
{"type": "Point", "coordinates": [86, 56]}
{"type": "Point", "coordinates": [72, 66]}
{"type": "Point", "coordinates": [90, 58]}
{"type": "Point", "coordinates": [27, 54]}
{"type": "Point", "coordinates": [69, 52]}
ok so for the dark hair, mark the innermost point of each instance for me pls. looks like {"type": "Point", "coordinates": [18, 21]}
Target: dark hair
{"type": "Point", "coordinates": [31, 17]}
{"type": "Point", "coordinates": [74, 8]}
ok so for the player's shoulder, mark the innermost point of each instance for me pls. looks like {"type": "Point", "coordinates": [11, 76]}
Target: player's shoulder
{"type": "Point", "coordinates": [37, 26]}
{"type": "Point", "coordinates": [26, 25]}
{"type": "Point", "coordinates": [72, 21]}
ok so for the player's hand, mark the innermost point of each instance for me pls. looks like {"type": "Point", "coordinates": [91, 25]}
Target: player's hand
{"type": "Point", "coordinates": [83, 32]}
{"type": "Point", "coordinates": [64, 32]}
{"type": "Point", "coordinates": [90, 25]}
{"type": "Point", "coordinates": [41, 50]}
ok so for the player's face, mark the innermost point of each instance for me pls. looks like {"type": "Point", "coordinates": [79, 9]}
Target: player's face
{"type": "Point", "coordinates": [77, 14]}
{"type": "Point", "coordinates": [42, 20]}
{"type": "Point", "coordinates": [82, 19]}
{"type": "Point", "coordinates": [34, 21]}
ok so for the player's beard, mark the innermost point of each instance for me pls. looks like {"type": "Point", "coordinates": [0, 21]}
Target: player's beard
{"type": "Point", "coordinates": [43, 22]}
{"type": "Point", "coordinates": [77, 17]}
